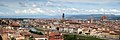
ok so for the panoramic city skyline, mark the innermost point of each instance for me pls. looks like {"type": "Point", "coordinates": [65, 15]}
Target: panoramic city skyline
{"type": "Point", "coordinates": [57, 7]}
{"type": "Point", "coordinates": [59, 20]}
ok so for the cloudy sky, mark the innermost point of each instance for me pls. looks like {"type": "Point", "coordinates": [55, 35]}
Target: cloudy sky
{"type": "Point", "coordinates": [57, 7]}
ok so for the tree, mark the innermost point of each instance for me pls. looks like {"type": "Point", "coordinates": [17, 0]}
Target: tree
{"type": "Point", "coordinates": [35, 32]}
{"type": "Point", "coordinates": [79, 37]}
{"type": "Point", "coordinates": [31, 37]}
{"type": "Point", "coordinates": [13, 38]}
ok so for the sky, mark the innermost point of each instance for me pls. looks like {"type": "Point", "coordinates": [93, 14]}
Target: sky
{"type": "Point", "coordinates": [57, 7]}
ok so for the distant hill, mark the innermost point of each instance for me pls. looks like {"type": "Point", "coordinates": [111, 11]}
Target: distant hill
{"type": "Point", "coordinates": [68, 16]}
{"type": "Point", "coordinates": [96, 16]}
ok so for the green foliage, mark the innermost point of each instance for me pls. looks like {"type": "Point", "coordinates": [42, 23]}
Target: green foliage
{"type": "Point", "coordinates": [39, 33]}
{"type": "Point", "coordinates": [79, 37]}
{"type": "Point", "coordinates": [13, 38]}
{"type": "Point", "coordinates": [31, 38]}
{"type": "Point", "coordinates": [39, 29]}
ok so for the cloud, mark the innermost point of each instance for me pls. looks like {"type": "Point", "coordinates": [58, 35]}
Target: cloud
{"type": "Point", "coordinates": [23, 4]}
{"type": "Point", "coordinates": [87, 0]}
{"type": "Point", "coordinates": [66, 10]}
{"type": "Point", "coordinates": [40, 4]}
{"type": "Point", "coordinates": [3, 5]}
{"type": "Point", "coordinates": [33, 10]}
{"type": "Point", "coordinates": [6, 14]}
{"type": "Point", "coordinates": [110, 10]}
{"type": "Point", "coordinates": [34, 5]}
{"type": "Point", "coordinates": [53, 4]}
{"type": "Point", "coordinates": [1, 13]}
{"type": "Point", "coordinates": [103, 11]}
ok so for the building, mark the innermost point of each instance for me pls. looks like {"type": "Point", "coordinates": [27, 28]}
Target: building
{"type": "Point", "coordinates": [55, 36]}
{"type": "Point", "coordinates": [104, 17]}
{"type": "Point", "coordinates": [39, 37]}
{"type": "Point", "coordinates": [63, 18]}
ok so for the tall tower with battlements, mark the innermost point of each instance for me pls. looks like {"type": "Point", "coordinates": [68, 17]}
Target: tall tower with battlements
{"type": "Point", "coordinates": [63, 16]}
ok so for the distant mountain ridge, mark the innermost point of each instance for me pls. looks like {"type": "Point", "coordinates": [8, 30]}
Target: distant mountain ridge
{"type": "Point", "coordinates": [68, 16]}
{"type": "Point", "coordinates": [96, 16]}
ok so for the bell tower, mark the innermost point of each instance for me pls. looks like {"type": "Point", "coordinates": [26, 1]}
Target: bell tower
{"type": "Point", "coordinates": [63, 16]}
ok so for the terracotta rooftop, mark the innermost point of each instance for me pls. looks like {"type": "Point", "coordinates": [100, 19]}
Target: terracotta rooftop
{"type": "Point", "coordinates": [38, 36]}
{"type": "Point", "coordinates": [25, 33]}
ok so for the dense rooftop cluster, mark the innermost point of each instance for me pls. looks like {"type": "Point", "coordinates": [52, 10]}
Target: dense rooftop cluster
{"type": "Point", "coordinates": [54, 29]}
